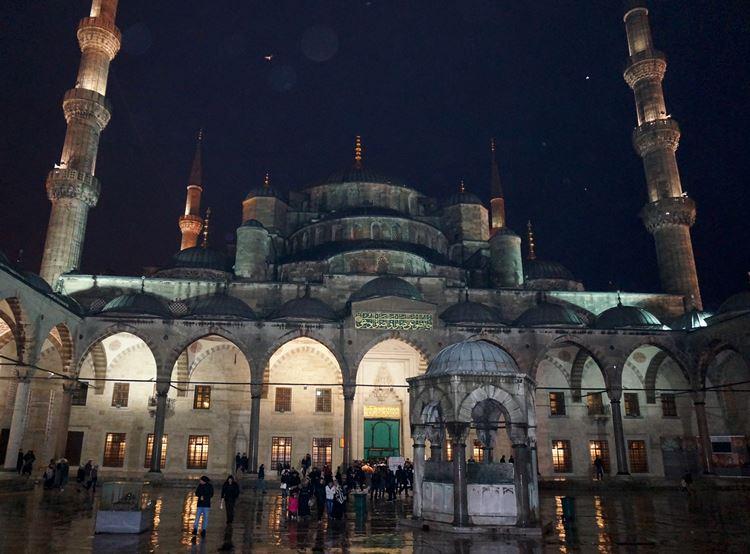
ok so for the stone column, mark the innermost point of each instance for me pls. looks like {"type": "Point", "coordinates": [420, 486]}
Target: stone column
{"type": "Point", "coordinates": [458, 432]}
{"type": "Point", "coordinates": [487, 437]}
{"type": "Point", "coordinates": [348, 404]}
{"type": "Point", "coordinates": [524, 480]}
{"type": "Point", "coordinates": [160, 417]}
{"type": "Point", "coordinates": [20, 418]}
{"type": "Point", "coordinates": [255, 393]}
{"type": "Point", "coordinates": [418, 435]}
{"type": "Point", "coordinates": [436, 444]}
{"type": "Point", "coordinates": [621, 452]}
{"type": "Point", "coordinates": [699, 403]}
{"type": "Point", "coordinates": [63, 420]}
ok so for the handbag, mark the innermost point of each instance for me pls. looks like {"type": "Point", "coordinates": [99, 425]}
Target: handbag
{"type": "Point", "coordinates": [283, 486]}
{"type": "Point", "coordinates": [221, 504]}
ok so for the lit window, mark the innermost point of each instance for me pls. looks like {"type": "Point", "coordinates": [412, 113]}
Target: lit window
{"type": "Point", "coordinates": [283, 399]}
{"type": "Point", "coordinates": [322, 400]}
{"type": "Point", "coordinates": [448, 451]}
{"type": "Point", "coordinates": [599, 449]}
{"type": "Point", "coordinates": [557, 403]}
{"type": "Point", "coordinates": [114, 450]}
{"type": "Point", "coordinates": [281, 451]}
{"type": "Point", "coordinates": [202, 397]}
{"type": "Point", "coordinates": [150, 451]}
{"type": "Point", "coordinates": [120, 394]}
{"type": "Point", "coordinates": [632, 408]}
{"type": "Point", "coordinates": [637, 457]}
{"type": "Point", "coordinates": [197, 456]}
{"type": "Point", "coordinates": [477, 452]}
{"type": "Point", "coordinates": [322, 451]}
{"type": "Point", "coordinates": [668, 405]}
{"type": "Point", "coordinates": [595, 403]}
{"type": "Point", "coordinates": [561, 462]}
{"type": "Point", "coordinates": [79, 394]}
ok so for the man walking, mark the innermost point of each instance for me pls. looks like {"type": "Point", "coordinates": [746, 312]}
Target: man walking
{"type": "Point", "coordinates": [204, 491]}
{"type": "Point", "coordinates": [599, 468]}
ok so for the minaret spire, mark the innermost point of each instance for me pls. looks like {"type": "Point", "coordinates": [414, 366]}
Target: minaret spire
{"type": "Point", "coordinates": [358, 152]}
{"type": "Point", "coordinates": [497, 201]}
{"type": "Point", "coordinates": [190, 222]}
{"type": "Point", "coordinates": [71, 185]}
{"type": "Point", "coordinates": [530, 235]}
{"type": "Point", "coordinates": [669, 213]}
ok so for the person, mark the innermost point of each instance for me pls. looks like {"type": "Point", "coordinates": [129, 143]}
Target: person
{"type": "Point", "coordinates": [28, 465]}
{"type": "Point", "coordinates": [87, 471]}
{"type": "Point", "coordinates": [401, 480]}
{"type": "Point", "coordinates": [245, 463]}
{"type": "Point", "coordinates": [260, 484]}
{"type": "Point", "coordinates": [204, 491]}
{"type": "Point", "coordinates": [375, 484]}
{"type": "Point", "coordinates": [80, 474]}
{"type": "Point", "coordinates": [339, 501]}
{"type": "Point", "coordinates": [599, 468]}
{"type": "Point", "coordinates": [238, 463]}
{"type": "Point", "coordinates": [502, 459]}
{"type": "Point", "coordinates": [320, 495]}
{"type": "Point", "coordinates": [230, 492]}
{"type": "Point", "coordinates": [306, 463]}
{"type": "Point", "coordinates": [19, 462]}
{"type": "Point", "coordinates": [63, 468]}
{"type": "Point", "coordinates": [284, 482]}
{"type": "Point", "coordinates": [293, 506]}
{"type": "Point", "coordinates": [49, 476]}
{"type": "Point", "coordinates": [305, 492]}
{"type": "Point", "coordinates": [93, 479]}
{"type": "Point", "coordinates": [390, 484]}
{"type": "Point", "coordinates": [510, 460]}
{"type": "Point", "coordinates": [330, 494]}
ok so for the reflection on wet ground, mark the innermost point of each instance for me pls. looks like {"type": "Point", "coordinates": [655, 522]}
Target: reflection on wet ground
{"type": "Point", "coordinates": [662, 521]}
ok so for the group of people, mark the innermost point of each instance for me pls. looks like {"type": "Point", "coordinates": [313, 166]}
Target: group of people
{"type": "Point", "coordinates": [241, 463]}
{"type": "Point", "coordinates": [25, 462]}
{"type": "Point", "coordinates": [384, 480]}
{"type": "Point", "coordinates": [204, 492]}
{"type": "Point", "coordinates": [57, 474]}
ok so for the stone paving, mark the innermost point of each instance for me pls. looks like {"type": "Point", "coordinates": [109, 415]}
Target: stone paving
{"type": "Point", "coordinates": [662, 521]}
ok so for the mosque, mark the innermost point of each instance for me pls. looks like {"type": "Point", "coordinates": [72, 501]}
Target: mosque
{"type": "Point", "coordinates": [301, 339]}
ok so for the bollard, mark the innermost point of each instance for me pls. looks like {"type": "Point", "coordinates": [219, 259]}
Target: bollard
{"type": "Point", "coordinates": [360, 504]}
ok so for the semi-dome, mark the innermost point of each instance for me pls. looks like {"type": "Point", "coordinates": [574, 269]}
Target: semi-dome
{"type": "Point", "coordinates": [546, 314]}
{"type": "Point", "coordinates": [688, 321]}
{"type": "Point", "coordinates": [470, 312]}
{"type": "Point", "coordinates": [37, 282]}
{"type": "Point", "coordinates": [462, 198]}
{"type": "Point", "coordinates": [387, 285]}
{"type": "Point", "coordinates": [472, 357]}
{"type": "Point", "coordinates": [198, 257]}
{"type": "Point", "coordinates": [219, 306]}
{"type": "Point", "coordinates": [627, 317]}
{"type": "Point", "coordinates": [739, 302]}
{"type": "Point", "coordinates": [305, 308]}
{"type": "Point", "coordinates": [253, 223]}
{"type": "Point", "coordinates": [545, 269]}
{"type": "Point", "coordinates": [138, 303]}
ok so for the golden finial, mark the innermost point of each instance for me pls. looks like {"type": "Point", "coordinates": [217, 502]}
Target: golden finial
{"type": "Point", "coordinates": [462, 187]}
{"type": "Point", "coordinates": [206, 221]}
{"type": "Point", "coordinates": [267, 181]}
{"type": "Point", "coordinates": [200, 134]}
{"type": "Point", "coordinates": [530, 232]}
{"type": "Point", "coordinates": [492, 146]}
{"type": "Point", "coordinates": [358, 152]}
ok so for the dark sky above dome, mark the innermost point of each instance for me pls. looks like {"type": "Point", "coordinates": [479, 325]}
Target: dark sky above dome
{"type": "Point", "coordinates": [425, 84]}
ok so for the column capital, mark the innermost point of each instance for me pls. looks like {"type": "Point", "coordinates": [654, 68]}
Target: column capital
{"type": "Point", "coordinates": [418, 435]}
{"type": "Point", "coordinates": [458, 432]}
{"type": "Point", "coordinates": [349, 391]}
{"type": "Point", "coordinates": [256, 390]}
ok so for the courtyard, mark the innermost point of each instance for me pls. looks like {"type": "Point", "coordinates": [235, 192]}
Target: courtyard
{"type": "Point", "coordinates": [613, 521]}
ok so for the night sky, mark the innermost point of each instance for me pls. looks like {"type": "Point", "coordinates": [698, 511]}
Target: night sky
{"type": "Point", "coordinates": [426, 84]}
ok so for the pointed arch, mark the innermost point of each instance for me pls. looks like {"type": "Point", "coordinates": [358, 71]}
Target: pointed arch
{"type": "Point", "coordinates": [425, 353]}
{"type": "Point", "coordinates": [202, 333]}
{"type": "Point", "coordinates": [301, 332]}
{"type": "Point", "coordinates": [113, 330]}
{"type": "Point", "coordinates": [513, 412]}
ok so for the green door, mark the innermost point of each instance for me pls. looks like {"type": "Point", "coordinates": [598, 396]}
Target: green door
{"type": "Point", "coordinates": [382, 438]}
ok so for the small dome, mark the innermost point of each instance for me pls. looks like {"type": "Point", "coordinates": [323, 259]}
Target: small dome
{"type": "Point", "coordinates": [470, 312]}
{"type": "Point", "coordinates": [138, 303]}
{"type": "Point", "coordinates": [387, 285]}
{"type": "Point", "coordinates": [545, 269]}
{"type": "Point", "coordinates": [37, 282]}
{"type": "Point", "coordinates": [688, 321]}
{"type": "Point", "coordinates": [469, 357]}
{"type": "Point", "coordinates": [627, 317]}
{"type": "Point", "coordinates": [305, 308]}
{"type": "Point", "coordinates": [263, 192]}
{"type": "Point", "coordinates": [546, 314]}
{"type": "Point", "coordinates": [219, 306]}
{"type": "Point", "coordinates": [198, 257]}
{"type": "Point", "coordinates": [253, 223]}
{"type": "Point", "coordinates": [739, 302]}
{"type": "Point", "coordinates": [462, 198]}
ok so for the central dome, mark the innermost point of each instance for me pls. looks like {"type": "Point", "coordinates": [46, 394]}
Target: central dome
{"type": "Point", "coordinates": [472, 357]}
{"type": "Point", "coordinates": [387, 285]}
{"type": "Point", "coordinates": [359, 175]}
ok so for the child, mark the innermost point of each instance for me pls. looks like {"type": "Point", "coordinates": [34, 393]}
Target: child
{"type": "Point", "coordinates": [293, 505]}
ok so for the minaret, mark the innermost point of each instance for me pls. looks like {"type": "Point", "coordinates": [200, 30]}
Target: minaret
{"type": "Point", "coordinates": [497, 200]}
{"type": "Point", "coordinates": [191, 223]}
{"type": "Point", "coordinates": [71, 185]}
{"type": "Point", "coordinates": [670, 213]}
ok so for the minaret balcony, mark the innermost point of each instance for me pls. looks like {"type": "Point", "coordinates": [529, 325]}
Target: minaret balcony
{"type": "Point", "coordinates": [101, 34]}
{"type": "Point", "coordinates": [84, 104]}
{"type": "Point", "coordinates": [70, 183]}
{"type": "Point", "coordinates": [649, 64]}
{"type": "Point", "coordinates": [655, 135]}
{"type": "Point", "coordinates": [668, 212]}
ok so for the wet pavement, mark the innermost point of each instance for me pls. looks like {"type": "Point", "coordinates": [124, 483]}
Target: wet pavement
{"type": "Point", "coordinates": [659, 521]}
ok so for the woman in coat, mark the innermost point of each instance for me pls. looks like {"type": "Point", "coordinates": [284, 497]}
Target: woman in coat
{"type": "Point", "coordinates": [230, 492]}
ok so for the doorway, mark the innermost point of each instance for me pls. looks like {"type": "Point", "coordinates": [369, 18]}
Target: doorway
{"type": "Point", "coordinates": [382, 438]}
{"type": "Point", "coordinates": [73, 447]}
